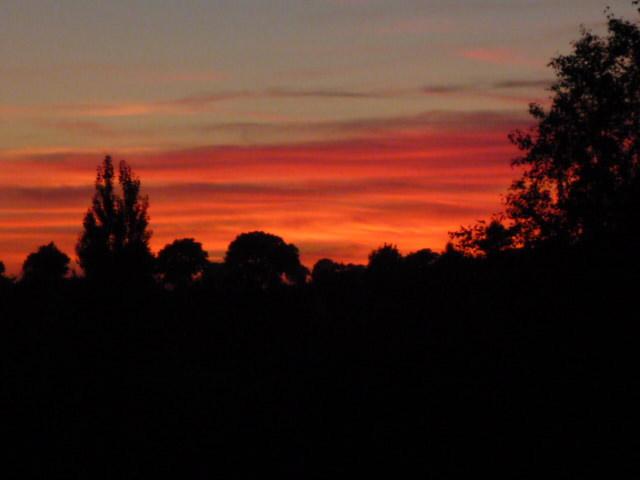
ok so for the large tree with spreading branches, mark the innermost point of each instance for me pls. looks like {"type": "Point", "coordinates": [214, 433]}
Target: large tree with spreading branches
{"type": "Point", "coordinates": [581, 158]}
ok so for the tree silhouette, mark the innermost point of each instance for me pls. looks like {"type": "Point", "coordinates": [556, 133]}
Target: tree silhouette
{"type": "Point", "coordinates": [264, 260]}
{"type": "Point", "coordinates": [343, 278]}
{"type": "Point", "coordinates": [384, 260]}
{"type": "Point", "coordinates": [486, 240]}
{"type": "Point", "coordinates": [384, 268]}
{"type": "Point", "coordinates": [45, 266]}
{"type": "Point", "coordinates": [181, 261]}
{"type": "Point", "coordinates": [325, 270]}
{"type": "Point", "coordinates": [416, 264]}
{"type": "Point", "coordinates": [581, 159]}
{"type": "Point", "coordinates": [4, 281]}
{"type": "Point", "coordinates": [114, 243]}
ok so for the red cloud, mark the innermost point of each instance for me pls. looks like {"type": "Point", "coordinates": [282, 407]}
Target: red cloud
{"type": "Point", "coordinates": [409, 183]}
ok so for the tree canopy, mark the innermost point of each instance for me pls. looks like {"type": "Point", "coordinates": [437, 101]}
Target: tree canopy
{"type": "Point", "coordinates": [580, 160]}
{"type": "Point", "coordinates": [264, 260]}
{"type": "Point", "coordinates": [385, 259]}
{"type": "Point", "coordinates": [115, 238]}
{"type": "Point", "coordinates": [180, 261]}
{"type": "Point", "coordinates": [4, 281]}
{"type": "Point", "coordinates": [47, 265]}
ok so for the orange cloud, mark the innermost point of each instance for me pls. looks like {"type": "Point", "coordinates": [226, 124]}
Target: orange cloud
{"type": "Point", "coordinates": [409, 183]}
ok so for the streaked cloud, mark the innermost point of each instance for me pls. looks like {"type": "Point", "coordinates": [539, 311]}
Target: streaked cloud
{"type": "Point", "coordinates": [407, 180]}
{"type": "Point", "coordinates": [523, 83]}
{"type": "Point", "coordinates": [207, 102]}
{"type": "Point", "coordinates": [501, 56]}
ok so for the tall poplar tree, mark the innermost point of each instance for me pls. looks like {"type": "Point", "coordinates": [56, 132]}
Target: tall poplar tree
{"type": "Point", "coordinates": [114, 244]}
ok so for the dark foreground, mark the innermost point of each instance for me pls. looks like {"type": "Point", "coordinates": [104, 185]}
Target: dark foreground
{"type": "Point", "coordinates": [520, 365]}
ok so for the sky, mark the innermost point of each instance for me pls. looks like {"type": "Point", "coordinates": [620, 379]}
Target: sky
{"type": "Point", "coordinates": [337, 124]}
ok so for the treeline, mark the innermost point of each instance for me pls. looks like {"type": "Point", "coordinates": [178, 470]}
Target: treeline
{"type": "Point", "coordinates": [113, 249]}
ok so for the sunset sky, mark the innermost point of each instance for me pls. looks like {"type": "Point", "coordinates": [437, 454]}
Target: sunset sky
{"type": "Point", "coordinates": [336, 124]}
